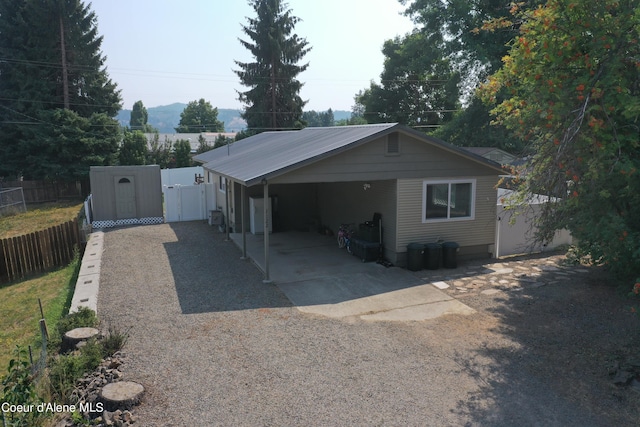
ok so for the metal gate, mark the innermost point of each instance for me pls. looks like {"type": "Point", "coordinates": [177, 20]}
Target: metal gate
{"type": "Point", "coordinates": [187, 202]}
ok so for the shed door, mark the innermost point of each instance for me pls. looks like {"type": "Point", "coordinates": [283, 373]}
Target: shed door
{"type": "Point", "coordinates": [125, 197]}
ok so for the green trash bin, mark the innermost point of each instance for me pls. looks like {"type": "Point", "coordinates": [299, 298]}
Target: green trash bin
{"type": "Point", "coordinates": [431, 257]}
{"type": "Point", "coordinates": [450, 254]}
{"type": "Point", "coordinates": [415, 253]}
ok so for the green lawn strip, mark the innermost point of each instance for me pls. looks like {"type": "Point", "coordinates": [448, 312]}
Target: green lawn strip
{"type": "Point", "coordinates": [20, 313]}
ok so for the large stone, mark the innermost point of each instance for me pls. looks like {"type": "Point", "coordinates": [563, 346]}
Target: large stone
{"type": "Point", "coordinates": [121, 395]}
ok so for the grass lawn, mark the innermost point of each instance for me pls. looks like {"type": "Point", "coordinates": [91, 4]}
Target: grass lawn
{"type": "Point", "coordinates": [38, 217]}
{"type": "Point", "coordinates": [19, 310]}
{"type": "Point", "coordinates": [20, 313]}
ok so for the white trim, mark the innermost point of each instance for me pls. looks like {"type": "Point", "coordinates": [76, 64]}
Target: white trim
{"type": "Point", "coordinates": [425, 183]}
{"type": "Point", "coordinates": [222, 184]}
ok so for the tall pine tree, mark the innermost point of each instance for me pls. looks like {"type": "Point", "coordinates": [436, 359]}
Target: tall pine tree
{"type": "Point", "coordinates": [273, 101]}
{"type": "Point", "coordinates": [58, 103]}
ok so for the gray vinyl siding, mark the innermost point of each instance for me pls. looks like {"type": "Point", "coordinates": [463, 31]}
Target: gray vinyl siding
{"type": "Point", "coordinates": [416, 159]}
{"type": "Point", "coordinates": [470, 234]}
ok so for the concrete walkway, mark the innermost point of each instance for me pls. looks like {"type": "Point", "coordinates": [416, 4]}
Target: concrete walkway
{"type": "Point", "coordinates": [319, 278]}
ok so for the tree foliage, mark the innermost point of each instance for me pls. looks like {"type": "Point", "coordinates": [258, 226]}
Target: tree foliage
{"type": "Point", "coordinates": [199, 116]}
{"type": "Point", "coordinates": [273, 101]}
{"type": "Point", "coordinates": [182, 153]}
{"type": "Point", "coordinates": [418, 85]}
{"type": "Point", "coordinates": [139, 118]}
{"type": "Point", "coordinates": [133, 150]}
{"type": "Point", "coordinates": [570, 85]}
{"type": "Point", "coordinates": [57, 99]}
{"type": "Point", "coordinates": [319, 118]}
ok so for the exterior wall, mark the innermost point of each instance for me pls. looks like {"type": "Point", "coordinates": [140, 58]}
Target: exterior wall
{"type": "Point", "coordinates": [295, 206]}
{"type": "Point", "coordinates": [368, 162]}
{"type": "Point", "coordinates": [476, 237]}
{"type": "Point", "coordinates": [348, 202]}
{"type": "Point", "coordinates": [148, 191]}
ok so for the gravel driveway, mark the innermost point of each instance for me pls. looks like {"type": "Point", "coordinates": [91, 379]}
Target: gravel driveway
{"type": "Point", "coordinates": [213, 345]}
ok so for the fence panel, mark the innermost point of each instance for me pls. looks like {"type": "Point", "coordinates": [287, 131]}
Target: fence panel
{"type": "Point", "coordinates": [48, 191]}
{"type": "Point", "coordinates": [39, 251]}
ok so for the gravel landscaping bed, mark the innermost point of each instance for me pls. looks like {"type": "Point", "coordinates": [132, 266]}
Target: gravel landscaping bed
{"type": "Point", "coordinates": [213, 345]}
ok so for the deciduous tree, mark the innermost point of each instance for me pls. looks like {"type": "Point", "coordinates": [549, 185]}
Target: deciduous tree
{"type": "Point", "coordinates": [571, 87]}
{"type": "Point", "coordinates": [199, 116]}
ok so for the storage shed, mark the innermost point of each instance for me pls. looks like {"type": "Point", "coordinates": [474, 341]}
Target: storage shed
{"type": "Point", "coordinates": [125, 195]}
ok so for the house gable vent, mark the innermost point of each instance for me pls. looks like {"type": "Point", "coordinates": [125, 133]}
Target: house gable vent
{"type": "Point", "coordinates": [393, 144]}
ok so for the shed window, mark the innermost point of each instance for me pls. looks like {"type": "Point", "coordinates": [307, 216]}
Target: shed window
{"type": "Point", "coordinates": [223, 184]}
{"type": "Point", "coordinates": [124, 181]}
{"type": "Point", "coordinates": [448, 200]}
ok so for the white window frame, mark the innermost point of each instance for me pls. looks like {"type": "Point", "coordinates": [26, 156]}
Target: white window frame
{"type": "Point", "coordinates": [449, 182]}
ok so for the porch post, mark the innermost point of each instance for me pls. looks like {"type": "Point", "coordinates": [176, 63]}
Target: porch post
{"type": "Point", "coordinates": [244, 231]}
{"type": "Point", "coordinates": [228, 190]}
{"type": "Point", "coordinates": [265, 184]}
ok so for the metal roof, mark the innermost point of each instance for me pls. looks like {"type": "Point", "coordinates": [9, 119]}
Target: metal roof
{"type": "Point", "coordinates": [271, 154]}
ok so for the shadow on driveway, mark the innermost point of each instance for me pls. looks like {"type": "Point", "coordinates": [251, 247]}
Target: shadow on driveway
{"type": "Point", "coordinates": [210, 276]}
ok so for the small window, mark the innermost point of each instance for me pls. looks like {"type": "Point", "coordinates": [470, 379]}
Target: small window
{"type": "Point", "coordinates": [223, 184]}
{"type": "Point", "coordinates": [393, 144]}
{"type": "Point", "coordinates": [124, 181]}
{"type": "Point", "coordinates": [448, 200]}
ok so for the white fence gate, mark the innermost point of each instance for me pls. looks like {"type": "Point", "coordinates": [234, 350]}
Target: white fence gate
{"type": "Point", "coordinates": [188, 202]}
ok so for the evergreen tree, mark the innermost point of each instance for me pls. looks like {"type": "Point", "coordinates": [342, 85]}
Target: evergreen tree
{"type": "Point", "coordinates": [139, 117]}
{"type": "Point", "coordinates": [273, 101]}
{"type": "Point", "coordinates": [51, 61]}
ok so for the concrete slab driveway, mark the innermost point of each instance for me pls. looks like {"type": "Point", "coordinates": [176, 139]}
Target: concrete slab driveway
{"type": "Point", "coordinates": [320, 278]}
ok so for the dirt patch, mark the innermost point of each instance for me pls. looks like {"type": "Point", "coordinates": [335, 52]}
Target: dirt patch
{"type": "Point", "coordinates": [570, 333]}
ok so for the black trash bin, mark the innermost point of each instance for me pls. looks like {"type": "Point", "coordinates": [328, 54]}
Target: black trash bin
{"type": "Point", "coordinates": [431, 257]}
{"type": "Point", "coordinates": [450, 254]}
{"type": "Point", "coordinates": [415, 253]}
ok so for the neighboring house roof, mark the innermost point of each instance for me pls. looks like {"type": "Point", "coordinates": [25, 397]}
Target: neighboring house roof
{"type": "Point", "coordinates": [271, 154]}
{"type": "Point", "coordinates": [493, 153]}
{"type": "Point", "coordinates": [209, 137]}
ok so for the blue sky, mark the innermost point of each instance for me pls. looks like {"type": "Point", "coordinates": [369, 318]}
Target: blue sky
{"type": "Point", "coordinates": [163, 52]}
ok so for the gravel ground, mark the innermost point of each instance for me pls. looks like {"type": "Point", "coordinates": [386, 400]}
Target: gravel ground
{"type": "Point", "coordinates": [213, 345]}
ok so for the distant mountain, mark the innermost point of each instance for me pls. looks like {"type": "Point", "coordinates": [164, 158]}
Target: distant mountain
{"type": "Point", "coordinates": [166, 117]}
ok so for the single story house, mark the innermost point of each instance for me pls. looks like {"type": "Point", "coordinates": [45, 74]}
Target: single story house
{"type": "Point", "coordinates": [425, 189]}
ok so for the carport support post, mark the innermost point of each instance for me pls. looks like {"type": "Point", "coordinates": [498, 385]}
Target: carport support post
{"type": "Point", "coordinates": [228, 190]}
{"type": "Point", "coordinates": [244, 235]}
{"type": "Point", "coordinates": [265, 185]}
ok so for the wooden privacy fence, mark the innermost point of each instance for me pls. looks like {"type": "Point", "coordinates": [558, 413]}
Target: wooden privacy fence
{"type": "Point", "coordinates": [49, 191]}
{"type": "Point", "coordinates": [38, 251]}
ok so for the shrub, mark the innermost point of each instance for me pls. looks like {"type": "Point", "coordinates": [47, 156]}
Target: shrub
{"type": "Point", "coordinates": [18, 388]}
{"type": "Point", "coordinates": [113, 341]}
{"type": "Point", "coordinates": [66, 369]}
{"type": "Point", "coordinates": [84, 317]}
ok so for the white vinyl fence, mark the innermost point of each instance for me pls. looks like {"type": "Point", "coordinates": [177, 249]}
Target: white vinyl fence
{"type": "Point", "coordinates": [516, 237]}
